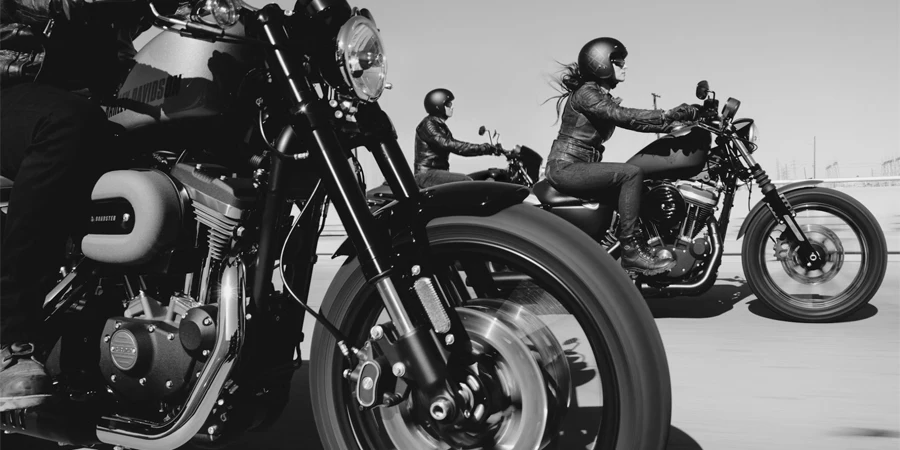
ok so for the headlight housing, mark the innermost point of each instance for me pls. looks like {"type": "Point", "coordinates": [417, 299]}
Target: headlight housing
{"type": "Point", "coordinates": [360, 53]}
{"type": "Point", "coordinates": [748, 131]}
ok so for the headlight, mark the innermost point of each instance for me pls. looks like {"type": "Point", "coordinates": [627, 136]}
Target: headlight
{"type": "Point", "coordinates": [360, 53]}
{"type": "Point", "coordinates": [753, 133]}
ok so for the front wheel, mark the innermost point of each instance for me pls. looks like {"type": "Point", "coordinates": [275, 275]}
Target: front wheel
{"type": "Point", "coordinates": [575, 356]}
{"type": "Point", "coordinates": [843, 281]}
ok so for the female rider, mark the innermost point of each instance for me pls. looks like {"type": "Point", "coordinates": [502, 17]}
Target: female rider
{"type": "Point", "coordinates": [589, 118]}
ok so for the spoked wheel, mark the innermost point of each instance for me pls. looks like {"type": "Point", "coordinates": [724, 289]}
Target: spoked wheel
{"type": "Point", "coordinates": [852, 267]}
{"type": "Point", "coordinates": [567, 354]}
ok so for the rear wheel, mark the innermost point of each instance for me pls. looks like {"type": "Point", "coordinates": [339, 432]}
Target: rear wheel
{"type": "Point", "coordinates": [566, 343]}
{"type": "Point", "coordinates": [849, 274]}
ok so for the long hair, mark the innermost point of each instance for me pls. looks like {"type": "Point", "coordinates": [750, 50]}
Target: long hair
{"type": "Point", "coordinates": [569, 80]}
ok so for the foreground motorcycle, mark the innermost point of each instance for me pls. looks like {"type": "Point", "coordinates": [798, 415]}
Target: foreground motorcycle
{"type": "Point", "coordinates": [167, 328]}
{"type": "Point", "coordinates": [811, 254]}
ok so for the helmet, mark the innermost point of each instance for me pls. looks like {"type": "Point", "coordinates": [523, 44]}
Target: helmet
{"type": "Point", "coordinates": [594, 59]}
{"type": "Point", "coordinates": [435, 101]}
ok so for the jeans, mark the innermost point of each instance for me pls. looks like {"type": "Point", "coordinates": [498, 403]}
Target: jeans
{"type": "Point", "coordinates": [435, 177]}
{"type": "Point", "coordinates": [53, 146]}
{"type": "Point", "coordinates": [589, 179]}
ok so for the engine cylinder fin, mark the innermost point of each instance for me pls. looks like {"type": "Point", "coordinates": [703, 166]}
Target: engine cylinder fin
{"type": "Point", "coordinates": [221, 229]}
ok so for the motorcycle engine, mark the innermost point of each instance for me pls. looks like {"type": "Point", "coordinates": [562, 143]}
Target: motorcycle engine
{"type": "Point", "coordinates": [680, 208]}
{"type": "Point", "coordinates": [673, 214]}
{"type": "Point", "coordinates": [154, 351]}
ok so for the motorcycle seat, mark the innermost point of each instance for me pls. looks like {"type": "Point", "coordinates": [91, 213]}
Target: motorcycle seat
{"type": "Point", "coordinates": [6, 186]}
{"type": "Point", "coordinates": [553, 198]}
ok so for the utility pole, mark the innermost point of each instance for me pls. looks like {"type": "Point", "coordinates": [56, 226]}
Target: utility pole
{"type": "Point", "coordinates": [655, 96]}
{"type": "Point", "coordinates": [814, 156]}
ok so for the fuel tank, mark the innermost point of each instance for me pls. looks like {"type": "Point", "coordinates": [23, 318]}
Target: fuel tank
{"type": "Point", "coordinates": [176, 78]}
{"type": "Point", "coordinates": [677, 155]}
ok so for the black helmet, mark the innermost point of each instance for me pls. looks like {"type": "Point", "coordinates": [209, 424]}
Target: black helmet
{"type": "Point", "coordinates": [435, 101]}
{"type": "Point", "coordinates": [594, 59]}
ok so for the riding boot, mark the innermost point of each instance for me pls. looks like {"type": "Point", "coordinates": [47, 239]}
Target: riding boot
{"type": "Point", "coordinates": [24, 382]}
{"type": "Point", "coordinates": [637, 259]}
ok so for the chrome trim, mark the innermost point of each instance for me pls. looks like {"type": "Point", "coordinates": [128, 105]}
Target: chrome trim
{"type": "Point", "coordinates": [711, 227]}
{"type": "Point", "coordinates": [190, 421]}
{"type": "Point", "coordinates": [61, 287]}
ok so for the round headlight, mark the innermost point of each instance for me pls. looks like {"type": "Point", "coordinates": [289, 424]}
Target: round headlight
{"type": "Point", "coordinates": [226, 12]}
{"type": "Point", "coordinates": [753, 133]}
{"type": "Point", "coordinates": [360, 53]}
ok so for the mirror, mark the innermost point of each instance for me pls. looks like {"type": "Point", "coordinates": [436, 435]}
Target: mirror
{"type": "Point", "coordinates": [702, 89]}
{"type": "Point", "coordinates": [481, 130]}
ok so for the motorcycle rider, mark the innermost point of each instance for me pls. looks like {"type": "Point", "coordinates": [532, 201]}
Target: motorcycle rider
{"type": "Point", "coordinates": [59, 57]}
{"type": "Point", "coordinates": [434, 143]}
{"type": "Point", "coordinates": [589, 117]}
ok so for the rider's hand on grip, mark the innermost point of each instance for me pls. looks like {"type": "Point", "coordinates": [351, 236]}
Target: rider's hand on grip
{"type": "Point", "coordinates": [683, 113]}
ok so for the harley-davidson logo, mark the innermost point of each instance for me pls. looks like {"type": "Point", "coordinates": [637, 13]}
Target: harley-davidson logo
{"type": "Point", "coordinates": [123, 349]}
{"type": "Point", "coordinates": [148, 92]}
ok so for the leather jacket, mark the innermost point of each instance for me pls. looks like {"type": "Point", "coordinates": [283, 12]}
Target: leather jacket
{"type": "Point", "coordinates": [58, 42]}
{"type": "Point", "coordinates": [434, 143]}
{"type": "Point", "coordinates": [589, 118]}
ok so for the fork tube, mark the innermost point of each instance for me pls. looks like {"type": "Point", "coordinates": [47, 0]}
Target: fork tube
{"type": "Point", "coordinates": [312, 116]}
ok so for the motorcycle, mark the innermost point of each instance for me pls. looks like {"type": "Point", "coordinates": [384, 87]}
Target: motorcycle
{"type": "Point", "coordinates": [810, 253]}
{"type": "Point", "coordinates": [523, 163]}
{"type": "Point", "coordinates": [177, 318]}
{"type": "Point", "coordinates": [523, 167]}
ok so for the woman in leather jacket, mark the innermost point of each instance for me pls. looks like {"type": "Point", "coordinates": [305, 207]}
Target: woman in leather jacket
{"type": "Point", "coordinates": [435, 143]}
{"type": "Point", "coordinates": [589, 117]}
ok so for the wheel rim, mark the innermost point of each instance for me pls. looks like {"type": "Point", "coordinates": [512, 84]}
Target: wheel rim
{"type": "Point", "coordinates": [828, 284]}
{"type": "Point", "coordinates": [592, 420]}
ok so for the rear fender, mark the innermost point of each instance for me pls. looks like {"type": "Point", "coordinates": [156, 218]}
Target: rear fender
{"type": "Point", "coordinates": [468, 198]}
{"type": "Point", "coordinates": [760, 207]}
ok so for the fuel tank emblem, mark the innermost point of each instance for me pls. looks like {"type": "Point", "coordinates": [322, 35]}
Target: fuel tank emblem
{"type": "Point", "coordinates": [123, 349]}
{"type": "Point", "coordinates": [155, 90]}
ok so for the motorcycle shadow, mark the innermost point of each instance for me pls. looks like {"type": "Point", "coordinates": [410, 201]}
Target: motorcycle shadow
{"type": "Point", "coordinates": [760, 309]}
{"type": "Point", "coordinates": [720, 299]}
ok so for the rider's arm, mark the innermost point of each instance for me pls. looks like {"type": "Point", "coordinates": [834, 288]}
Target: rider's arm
{"type": "Point", "coordinates": [600, 107]}
{"type": "Point", "coordinates": [439, 138]}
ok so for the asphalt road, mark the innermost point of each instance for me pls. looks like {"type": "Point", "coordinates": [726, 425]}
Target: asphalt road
{"type": "Point", "coordinates": [741, 377]}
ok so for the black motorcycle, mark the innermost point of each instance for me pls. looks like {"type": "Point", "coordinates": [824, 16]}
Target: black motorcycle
{"type": "Point", "coordinates": [523, 166]}
{"type": "Point", "coordinates": [810, 253]}
{"type": "Point", "coordinates": [523, 163]}
{"type": "Point", "coordinates": [166, 327]}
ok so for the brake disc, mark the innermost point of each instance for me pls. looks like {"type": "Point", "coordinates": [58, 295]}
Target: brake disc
{"type": "Point", "coordinates": [515, 370]}
{"type": "Point", "coordinates": [825, 242]}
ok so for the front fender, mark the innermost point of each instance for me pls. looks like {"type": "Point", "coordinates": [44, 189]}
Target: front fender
{"type": "Point", "coordinates": [761, 205]}
{"type": "Point", "coordinates": [467, 198]}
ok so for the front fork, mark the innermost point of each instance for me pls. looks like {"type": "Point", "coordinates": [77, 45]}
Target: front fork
{"type": "Point", "coordinates": [418, 309]}
{"type": "Point", "coordinates": [781, 209]}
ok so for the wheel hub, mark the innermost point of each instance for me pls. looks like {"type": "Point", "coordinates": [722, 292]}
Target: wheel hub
{"type": "Point", "coordinates": [814, 269]}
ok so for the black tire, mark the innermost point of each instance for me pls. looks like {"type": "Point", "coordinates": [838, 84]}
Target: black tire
{"type": "Point", "coordinates": [757, 249]}
{"type": "Point", "coordinates": [606, 304]}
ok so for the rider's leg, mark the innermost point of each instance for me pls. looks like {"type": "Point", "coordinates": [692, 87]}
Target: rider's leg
{"type": "Point", "coordinates": [435, 177]}
{"type": "Point", "coordinates": [50, 139]}
{"type": "Point", "coordinates": [586, 180]}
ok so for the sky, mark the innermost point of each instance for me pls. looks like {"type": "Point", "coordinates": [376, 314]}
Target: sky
{"type": "Point", "coordinates": [803, 69]}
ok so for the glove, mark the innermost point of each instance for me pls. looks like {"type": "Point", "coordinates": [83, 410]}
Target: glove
{"type": "Point", "coordinates": [488, 149]}
{"type": "Point", "coordinates": [683, 113]}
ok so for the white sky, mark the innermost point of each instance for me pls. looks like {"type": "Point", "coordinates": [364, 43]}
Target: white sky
{"type": "Point", "coordinates": [802, 68]}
